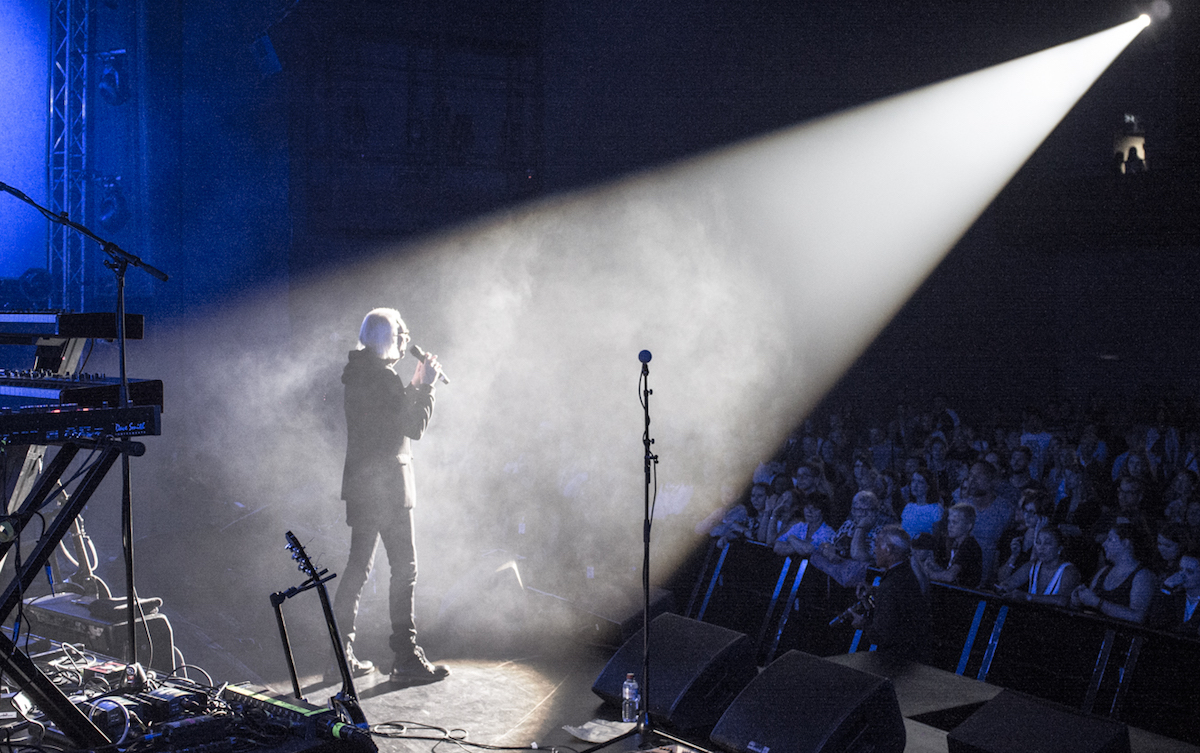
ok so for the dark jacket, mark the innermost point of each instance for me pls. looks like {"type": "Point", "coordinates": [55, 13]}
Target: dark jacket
{"type": "Point", "coordinates": [969, 558]}
{"type": "Point", "coordinates": [900, 625]}
{"type": "Point", "coordinates": [383, 415]}
{"type": "Point", "coordinates": [1167, 611]}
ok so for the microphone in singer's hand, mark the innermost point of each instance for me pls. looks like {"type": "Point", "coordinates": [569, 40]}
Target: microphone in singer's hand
{"type": "Point", "coordinates": [422, 355]}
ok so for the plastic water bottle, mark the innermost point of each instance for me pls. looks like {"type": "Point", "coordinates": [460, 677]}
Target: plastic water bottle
{"type": "Point", "coordinates": [631, 698]}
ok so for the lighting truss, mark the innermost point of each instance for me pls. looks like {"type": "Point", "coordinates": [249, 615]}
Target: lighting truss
{"type": "Point", "coordinates": [67, 147]}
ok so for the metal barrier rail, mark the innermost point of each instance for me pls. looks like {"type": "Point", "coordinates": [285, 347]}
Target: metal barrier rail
{"type": "Point", "coordinates": [1112, 661]}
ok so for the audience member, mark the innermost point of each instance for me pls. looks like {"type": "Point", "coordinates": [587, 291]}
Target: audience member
{"type": "Point", "coordinates": [1079, 505]}
{"type": "Point", "coordinates": [1046, 578]}
{"type": "Point", "coordinates": [957, 558]}
{"type": "Point", "coordinates": [1037, 440]}
{"type": "Point", "coordinates": [867, 479]}
{"type": "Point", "coordinates": [1020, 475]}
{"type": "Point", "coordinates": [925, 509]}
{"type": "Point", "coordinates": [1128, 509]}
{"type": "Point", "coordinates": [785, 514]}
{"type": "Point", "coordinates": [1180, 494]}
{"type": "Point", "coordinates": [1190, 451]}
{"type": "Point", "coordinates": [1123, 588]}
{"type": "Point", "coordinates": [1075, 515]}
{"type": "Point", "coordinates": [1175, 610]}
{"type": "Point", "coordinates": [802, 538]}
{"type": "Point", "coordinates": [809, 479]}
{"type": "Point", "coordinates": [911, 464]}
{"type": "Point", "coordinates": [900, 622]}
{"type": "Point", "coordinates": [1172, 541]}
{"type": "Point", "coordinates": [1135, 443]}
{"type": "Point", "coordinates": [1055, 482]}
{"type": "Point", "coordinates": [740, 520]}
{"type": "Point", "coordinates": [863, 473]}
{"type": "Point", "coordinates": [937, 462]}
{"type": "Point", "coordinates": [855, 538]}
{"type": "Point", "coordinates": [959, 451]}
{"type": "Point", "coordinates": [1138, 466]}
{"type": "Point", "coordinates": [1092, 453]}
{"type": "Point", "coordinates": [781, 511]}
{"type": "Point", "coordinates": [884, 453]}
{"type": "Point", "coordinates": [1034, 513]}
{"type": "Point", "coordinates": [806, 479]}
{"type": "Point", "coordinates": [994, 501]}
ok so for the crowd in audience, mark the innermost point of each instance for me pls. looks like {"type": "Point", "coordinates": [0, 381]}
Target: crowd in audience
{"type": "Point", "coordinates": [1056, 506]}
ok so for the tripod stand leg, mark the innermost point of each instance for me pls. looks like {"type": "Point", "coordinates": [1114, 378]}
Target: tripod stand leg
{"type": "Point", "coordinates": [623, 736]}
{"type": "Point", "coordinates": [645, 729]}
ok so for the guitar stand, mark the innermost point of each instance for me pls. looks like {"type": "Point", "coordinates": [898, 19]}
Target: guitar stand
{"type": "Point", "coordinates": [344, 701]}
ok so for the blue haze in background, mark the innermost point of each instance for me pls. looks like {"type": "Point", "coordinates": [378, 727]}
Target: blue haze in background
{"type": "Point", "coordinates": [24, 37]}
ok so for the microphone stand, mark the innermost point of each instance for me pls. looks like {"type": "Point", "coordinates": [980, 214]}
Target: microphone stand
{"type": "Point", "coordinates": [645, 726]}
{"type": "Point", "coordinates": [119, 261]}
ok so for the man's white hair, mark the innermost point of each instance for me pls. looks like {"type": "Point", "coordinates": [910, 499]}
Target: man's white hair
{"type": "Point", "coordinates": [379, 331]}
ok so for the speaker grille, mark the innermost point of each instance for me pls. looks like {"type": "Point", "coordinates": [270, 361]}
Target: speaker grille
{"type": "Point", "coordinates": [1013, 722]}
{"type": "Point", "coordinates": [804, 704]}
{"type": "Point", "coordinates": [696, 670]}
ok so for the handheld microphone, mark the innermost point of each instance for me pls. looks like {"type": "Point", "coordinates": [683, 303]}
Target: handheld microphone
{"type": "Point", "coordinates": [644, 356]}
{"type": "Point", "coordinates": [422, 355]}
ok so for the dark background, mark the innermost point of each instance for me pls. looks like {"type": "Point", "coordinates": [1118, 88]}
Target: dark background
{"type": "Point", "coordinates": [387, 121]}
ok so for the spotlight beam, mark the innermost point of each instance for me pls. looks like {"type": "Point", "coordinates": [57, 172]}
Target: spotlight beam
{"type": "Point", "coordinates": [866, 202]}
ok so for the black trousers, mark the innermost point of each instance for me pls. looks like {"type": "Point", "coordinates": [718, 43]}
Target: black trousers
{"type": "Point", "coordinates": [400, 544]}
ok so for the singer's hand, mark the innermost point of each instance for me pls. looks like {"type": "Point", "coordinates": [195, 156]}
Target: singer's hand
{"type": "Point", "coordinates": [427, 370]}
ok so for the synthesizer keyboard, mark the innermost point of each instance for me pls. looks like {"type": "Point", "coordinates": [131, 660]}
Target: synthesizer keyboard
{"type": "Point", "coordinates": [27, 326]}
{"type": "Point", "coordinates": [44, 425]}
{"type": "Point", "coordinates": [31, 387]}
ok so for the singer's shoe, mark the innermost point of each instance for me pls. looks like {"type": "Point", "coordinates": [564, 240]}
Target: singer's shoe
{"type": "Point", "coordinates": [358, 667]}
{"type": "Point", "coordinates": [417, 670]}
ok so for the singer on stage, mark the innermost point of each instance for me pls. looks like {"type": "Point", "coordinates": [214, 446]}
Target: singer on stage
{"type": "Point", "coordinates": [383, 416]}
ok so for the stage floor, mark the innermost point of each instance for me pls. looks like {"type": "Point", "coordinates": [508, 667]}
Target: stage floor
{"type": "Point", "coordinates": [528, 699]}
{"type": "Point", "coordinates": [515, 702]}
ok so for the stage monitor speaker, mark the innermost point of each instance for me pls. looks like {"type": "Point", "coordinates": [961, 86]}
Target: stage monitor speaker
{"type": "Point", "coordinates": [696, 669]}
{"type": "Point", "coordinates": [1016, 723]}
{"type": "Point", "coordinates": [804, 704]}
{"type": "Point", "coordinates": [100, 626]}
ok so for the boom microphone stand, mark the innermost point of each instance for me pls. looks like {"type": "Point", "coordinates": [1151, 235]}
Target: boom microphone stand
{"type": "Point", "coordinates": [645, 727]}
{"type": "Point", "coordinates": [119, 262]}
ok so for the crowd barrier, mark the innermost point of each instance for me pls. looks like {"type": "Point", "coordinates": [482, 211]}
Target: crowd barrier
{"type": "Point", "coordinates": [1111, 668]}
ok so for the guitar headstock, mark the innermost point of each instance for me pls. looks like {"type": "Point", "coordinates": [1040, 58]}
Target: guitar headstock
{"type": "Point", "coordinates": [304, 564]}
